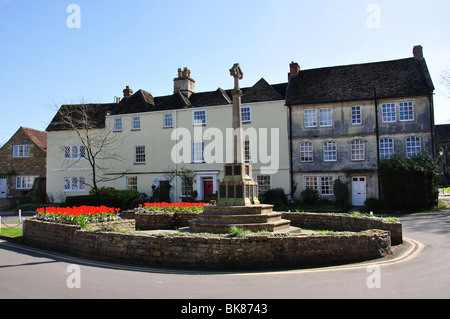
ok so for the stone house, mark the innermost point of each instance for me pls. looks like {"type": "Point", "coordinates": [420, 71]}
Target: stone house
{"type": "Point", "coordinates": [149, 136]}
{"type": "Point", "coordinates": [344, 119]}
{"type": "Point", "coordinates": [23, 167]}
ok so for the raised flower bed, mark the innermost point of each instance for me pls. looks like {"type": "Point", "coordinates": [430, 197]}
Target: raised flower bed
{"type": "Point", "coordinates": [170, 208]}
{"type": "Point", "coordinates": [151, 216]}
{"type": "Point", "coordinates": [81, 215]}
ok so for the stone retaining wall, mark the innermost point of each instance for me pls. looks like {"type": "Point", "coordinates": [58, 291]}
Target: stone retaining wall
{"type": "Point", "coordinates": [336, 222]}
{"type": "Point", "coordinates": [209, 252]}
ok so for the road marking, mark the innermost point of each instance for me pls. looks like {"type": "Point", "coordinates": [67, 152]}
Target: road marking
{"type": "Point", "coordinates": [414, 249]}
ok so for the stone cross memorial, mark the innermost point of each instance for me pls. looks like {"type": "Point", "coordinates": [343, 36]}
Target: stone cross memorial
{"type": "Point", "coordinates": [237, 200]}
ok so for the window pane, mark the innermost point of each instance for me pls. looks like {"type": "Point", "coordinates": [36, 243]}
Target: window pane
{"type": "Point", "coordinates": [388, 112]}
{"type": "Point", "coordinates": [139, 156]}
{"type": "Point", "coordinates": [406, 111]}
{"type": "Point", "coordinates": [356, 115]}
{"type": "Point", "coordinates": [199, 117]}
{"type": "Point", "coordinates": [329, 151]}
{"type": "Point", "coordinates": [386, 148]}
{"type": "Point", "coordinates": [326, 185]}
{"type": "Point", "coordinates": [325, 117]}
{"type": "Point", "coordinates": [246, 114]}
{"type": "Point", "coordinates": [306, 152]}
{"type": "Point", "coordinates": [413, 146]}
{"type": "Point", "coordinates": [357, 150]}
{"type": "Point", "coordinates": [310, 118]}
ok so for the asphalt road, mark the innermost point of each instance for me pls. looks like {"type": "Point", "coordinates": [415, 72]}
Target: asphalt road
{"type": "Point", "coordinates": [419, 269]}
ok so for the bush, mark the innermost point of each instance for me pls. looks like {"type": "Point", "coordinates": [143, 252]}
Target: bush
{"type": "Point", "coordinates": [275, 197]}
{"type": "Point", "coordinates": [372, 205]}
{"type": "Point", "coordinates": [310, 196]}
{"type": "Point", "coordinates": [341, 193]}
{"type": "Point", "coordinates": [408, 183]}
{"type": "Point", "coordinates": [107, 196]}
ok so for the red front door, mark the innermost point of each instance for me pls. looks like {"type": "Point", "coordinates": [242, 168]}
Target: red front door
{"type": "Point", "coordinates": [207, 188]}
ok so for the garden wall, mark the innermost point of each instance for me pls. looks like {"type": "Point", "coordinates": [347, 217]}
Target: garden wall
{"type": "Point", "coordinates": [336, 222]}
{"type": "Point", "coordinates": [253, 252]}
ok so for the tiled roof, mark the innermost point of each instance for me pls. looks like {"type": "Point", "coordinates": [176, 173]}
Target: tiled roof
{"type": "Point", "coordinates": [38, 137]}
{"type": "Point", "coordinates": [396, 78]}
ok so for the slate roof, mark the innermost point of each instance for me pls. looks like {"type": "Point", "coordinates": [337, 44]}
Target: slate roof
{"type": "Point", "coordinates": [142, 101]}
{"type": "Point", "coordinates": [95, 113]}
{"type": "Point", "coordinates": [405, 77]}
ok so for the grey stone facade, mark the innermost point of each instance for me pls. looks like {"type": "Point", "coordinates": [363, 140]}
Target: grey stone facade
{"type": "Point", "coordinates": [344, 119]}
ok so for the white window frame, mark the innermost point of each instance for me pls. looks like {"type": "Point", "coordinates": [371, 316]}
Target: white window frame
{"type": "Point", "coordinates": [311, 182]}
{"type": "Point", "coordinates": [310, 118]}
{"type": "Point", "coordinates": [386, 151]}
{"type": "Point", "coordinates": [413, 148]}
{"type": "Point", "coordinates": [356, 115]}
{"type": "Point", "coordinates": [21, 151]}
{"type": "Point", "coordinates": [327, 185]}
{"type": "Point", "coordinates": [406, 111]}
{"type": "Point", "coordinates": [132, 183]}
{"type": "Point", "coordinates": [118, 124]}
{"type": "Point", "coordinates": [168, 120]}
{"type": "Point", "coordinates": [246, 114]}
{"type": "Point", "coordinates": [74, 184]}
{"type": "Point", "coordinates": [199, 117]}
{"type": "Point", "coordinates": [25, 182]}
{"type": "Point", "coordinates": [198, 152]}
{"type": "Point", "coordinates": [330, 151]}
{"type": "Point", "coordinates": [323, 184]}
{"type": "Point", "coordinates": [326, 117]}
{"type": "Point", "coordinates": [306, 152]}
{"type": "Point", "coordinates": [264, 182]}
{"type": "Point", "coordinates": [389, 112]}
{"type": "Point", "coordinates": [139, 154]}
{"type": "Point", "coordinates": [358, 150]}
{"type": "Point", "coordinates": [136, 123]}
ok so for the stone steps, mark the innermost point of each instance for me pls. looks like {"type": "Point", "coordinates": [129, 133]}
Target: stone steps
{"type": "Point", "coordinates": [220, 219]}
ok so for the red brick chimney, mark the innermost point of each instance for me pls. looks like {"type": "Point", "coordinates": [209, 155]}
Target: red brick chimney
{"type": "Point", "coordinates": [294, 69]}
{"type": "Point", "coordinates": [127, 92]}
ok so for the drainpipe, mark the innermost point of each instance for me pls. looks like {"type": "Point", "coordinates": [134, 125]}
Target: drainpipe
{"type": "Point", "coordinates": [291, 170]}
{"type": "Point", "coordinates": [377, 134]}
{"type": "Point", "coordinates": [176, 160]}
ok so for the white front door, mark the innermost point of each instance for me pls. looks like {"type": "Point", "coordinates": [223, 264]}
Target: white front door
{"type": "Point", "coordinates": [358, 191]}
{"type": "Point", "coordinates": [3, 187]}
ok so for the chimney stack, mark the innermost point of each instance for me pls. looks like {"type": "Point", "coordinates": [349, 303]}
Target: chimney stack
{"type": "Point", "coordinates": [418, 52]}
{"type": "Point", "coordinates": [184, 83]}
{"type": "Point", "coordinates": [127, 92]}
{"type": "Point", "coordinates": [294, 69]}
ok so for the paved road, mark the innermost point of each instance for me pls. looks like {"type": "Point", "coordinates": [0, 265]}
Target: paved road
{"type": "Point", "coordinates": [422, 270]}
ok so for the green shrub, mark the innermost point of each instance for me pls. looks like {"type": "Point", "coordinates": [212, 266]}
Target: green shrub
{"type": "Point", "coordinates": [408, 183]}
{"type": "Point", "coordinates": [341, 193]}
{"type": "Point", "coordinates": [310, 196]}
{"type": "Point", "coordinates": [275, 197]}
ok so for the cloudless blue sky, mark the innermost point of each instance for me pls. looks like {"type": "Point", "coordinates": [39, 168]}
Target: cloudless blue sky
{"type": "Point", "coordinates": [142, 43]}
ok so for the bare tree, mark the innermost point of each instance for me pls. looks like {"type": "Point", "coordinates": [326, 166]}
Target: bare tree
{"type": "Point", "coordinates": [445, 79]}
{"type": "Point", "coordinates": [99, 144]}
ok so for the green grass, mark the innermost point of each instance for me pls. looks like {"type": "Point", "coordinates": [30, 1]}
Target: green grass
{"type": "Point", "coordinates": [11, 232]}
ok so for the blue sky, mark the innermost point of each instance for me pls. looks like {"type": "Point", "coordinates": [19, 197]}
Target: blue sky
{"type": "Point", "coordinates": [142, 43]}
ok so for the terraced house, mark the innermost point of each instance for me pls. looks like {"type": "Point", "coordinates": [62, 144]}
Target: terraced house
{"type": "Point", "coordinates": [344, 119]}
{"type": "Point", "coordinates": [133, 143]}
